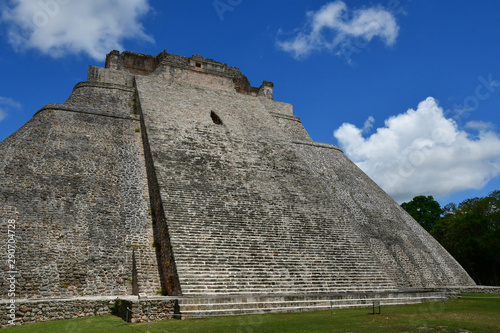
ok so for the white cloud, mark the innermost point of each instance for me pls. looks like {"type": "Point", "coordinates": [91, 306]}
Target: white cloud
{"type": "Point", "coordinates": [421, 152]}
{"type": "Point", "coordinates": [61, 27]}
{"type": "Point", "coordinates": [480, 125]}
{"type": "Point", "coordinates": [368, 124]}
{"type": "Point", "coordinates": [333, 27]}
{"type": "Point", "coordinates": [9, 102]}
{"type": "Point", "coordinates": [5, 104]}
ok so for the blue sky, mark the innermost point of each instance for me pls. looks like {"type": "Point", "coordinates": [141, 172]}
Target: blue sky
{"type": "Point", "coordinates": [410, 89]}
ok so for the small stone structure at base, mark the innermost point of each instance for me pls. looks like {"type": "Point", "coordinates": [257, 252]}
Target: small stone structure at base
{"type": "Point", "coordinates": [130, 308]}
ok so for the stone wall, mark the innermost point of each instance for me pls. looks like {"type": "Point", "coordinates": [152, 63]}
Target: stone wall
{"type": "Point", "coordinates": [35, 311]}
{"type": "Point", "coordinates": [138, 310]}
{"type": "Point", "coordinates": [76, 185]}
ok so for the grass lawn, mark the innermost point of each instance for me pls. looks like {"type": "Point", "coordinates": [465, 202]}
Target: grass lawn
{"type": "Point", "coordinates": [474, 313]}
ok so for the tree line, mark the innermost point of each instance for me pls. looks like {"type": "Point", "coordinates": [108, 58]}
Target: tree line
{"type": "Point", "coordinates": [469, 231]}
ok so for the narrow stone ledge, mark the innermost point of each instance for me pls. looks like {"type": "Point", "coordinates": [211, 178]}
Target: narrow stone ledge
{"type": "Point", "coordinates": [62, 107]}
{"type": "Point", "coordinates": [474, 289]}
{"type": "Point", "coordinates": [319, 145]}
{"type": "Point", "coordinates": [103, 85]}
{"type": "Point", "coordinates": [284, 116]}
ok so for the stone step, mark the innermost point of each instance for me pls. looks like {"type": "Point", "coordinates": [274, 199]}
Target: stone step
{"type": "Point", "coordinates": [270, 262]}
{"type": "Point", "coordinates": [292, 288]}
{"type": "Point", "coordinates": [283, 266]}
{"type": "Point", "coordinates": [252, 261]}
{"type": "Point", "coordinates": [277, 265]}
{"type": "Point", "coordinates": [236, 254]}
{"type": "Point", "coordinates": [240, 286]}
{"type": "Point", "coordinates": [271, 252]}
{"type": "Point", "coordinates": [280, 276]}
{"type": "Point", "coordinates": [198, 307]}
{"type": "Point", "coordinates": [248, 270]}
{"type": "Point", "coordinates": [252, 278]}
{"type": "Point", "coordinates": [336, 236]}
{"type": "Point", "coordinates": [265, 236]}
{"type": "Point", "coordinates": [341, 280]}
{"type": "Point", "coordinates": [264, 252]}
{"type": "Point", "coordinates": [241, 291]}
{"type": "Point", "coordinates": [324, 304]}
{"type": "Point", "coordinates": [242, 255]}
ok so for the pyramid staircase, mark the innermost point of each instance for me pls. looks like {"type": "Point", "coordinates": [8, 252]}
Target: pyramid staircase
{"type": "Point", "coordinates": [210, 264]}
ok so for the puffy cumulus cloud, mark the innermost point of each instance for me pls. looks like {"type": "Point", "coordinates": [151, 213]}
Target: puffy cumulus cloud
{"type": "Point", "coordinates": [61, 27]}
{"type": "Point", "coordinates": [421, 152]}
{"type": "Point", "coordinates": [334, 27]}
{"type": "Point", "coordinates": [6, 104]}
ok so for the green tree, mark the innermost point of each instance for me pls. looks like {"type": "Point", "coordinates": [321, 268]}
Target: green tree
{"type": "Point", "coordinates": [471, 233]}
{"type": "Point", "coordinates": [424, 209]}
{"type": "Point", "coordinates": [449, 209]}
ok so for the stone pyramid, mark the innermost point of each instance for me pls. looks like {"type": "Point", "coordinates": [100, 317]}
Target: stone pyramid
{"type": "Point", "coordinates": [173, 175]}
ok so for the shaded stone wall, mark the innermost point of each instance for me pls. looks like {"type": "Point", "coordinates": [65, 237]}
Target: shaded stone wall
{"type": "Point", "coordinates": [411, 256]}
{"type": "Point", "coordinates": [164, 253]}
{"type": "Point", "coordinates": [76, 184]}
{"type": "Point", "coordinates": [35, 311]}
